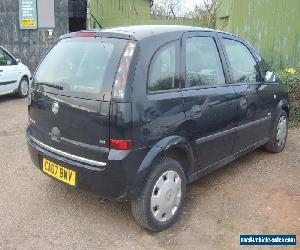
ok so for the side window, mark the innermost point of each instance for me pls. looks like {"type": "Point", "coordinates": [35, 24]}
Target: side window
{"type": "Point", "coordinates": [3, 60]}
{"type": "Point", "coordinates": [203, 64]}
{"type": "Point", "coordinates": [244, 66]}
{"type": "Point", "coordinates": [264, 67]}
{"type": "Point", "coordinates": [6, 59]}
{"type": "Point", "coordinates": [163, 67]}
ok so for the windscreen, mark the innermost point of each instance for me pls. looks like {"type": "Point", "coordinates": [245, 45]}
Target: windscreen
{"type": "Point", "coordinates": [83, 66]}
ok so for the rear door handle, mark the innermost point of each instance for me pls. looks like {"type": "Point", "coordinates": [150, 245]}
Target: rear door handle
{"type": "Point", "coordinates": [1, 70]}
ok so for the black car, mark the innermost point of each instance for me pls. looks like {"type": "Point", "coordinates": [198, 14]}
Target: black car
{"type": "Point", "coordinates": [136, 113]}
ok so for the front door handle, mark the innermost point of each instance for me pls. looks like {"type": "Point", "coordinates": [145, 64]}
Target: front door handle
{"type": "Point", "coordinates": [1, 70]}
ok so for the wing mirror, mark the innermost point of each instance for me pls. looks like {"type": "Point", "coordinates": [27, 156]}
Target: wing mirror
{"type": "Point", "coordinates": [270, 77]}
{"type": "Point", "coordinates": [18, 61]}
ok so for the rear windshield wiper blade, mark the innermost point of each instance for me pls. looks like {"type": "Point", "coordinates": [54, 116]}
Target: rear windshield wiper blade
{"type": "Point", "coordinates": [56, 86]}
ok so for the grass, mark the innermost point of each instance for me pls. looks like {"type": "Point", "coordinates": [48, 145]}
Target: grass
{"type": "Point", "coordinates": [291, 78]}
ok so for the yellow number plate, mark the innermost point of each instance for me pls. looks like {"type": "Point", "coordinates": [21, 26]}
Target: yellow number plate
{"type": "Point", "coordinates": [59, 172]}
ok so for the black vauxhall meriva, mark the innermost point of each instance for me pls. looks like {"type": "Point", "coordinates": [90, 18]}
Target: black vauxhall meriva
{"type": "Point", "coordinates": [135, 113]}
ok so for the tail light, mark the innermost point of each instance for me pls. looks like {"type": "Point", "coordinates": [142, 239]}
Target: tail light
{"type": "Point", "coordinates": [122, 73]}
{"type": "Point", "coordinates": [120, 144]}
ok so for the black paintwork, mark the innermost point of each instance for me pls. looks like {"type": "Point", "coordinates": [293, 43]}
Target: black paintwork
{"type": "Point", "coordinates": [210, 125]}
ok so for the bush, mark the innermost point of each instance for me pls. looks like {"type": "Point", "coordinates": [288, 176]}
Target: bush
{"type": "Point", "coordinates": [291, 78]}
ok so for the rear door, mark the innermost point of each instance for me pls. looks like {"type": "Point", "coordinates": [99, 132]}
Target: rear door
{"type": "Point", "coordinates": [208, 99]}
{"type": "Point", "coordinates": [70, 104]}
{"type": "Point", "coordinates": [8, 73]}
{"type": "Point", "coordinates": [254, 97]}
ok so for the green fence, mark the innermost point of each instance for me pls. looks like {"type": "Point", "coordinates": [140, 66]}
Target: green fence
{"type": "Point", "coordinates": [272, 26]}
{"type": "Point", "coordinates": [109, 13]}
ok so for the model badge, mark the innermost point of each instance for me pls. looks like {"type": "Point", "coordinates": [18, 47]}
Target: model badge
{"type": "Point", "coordinates": [55, 108]}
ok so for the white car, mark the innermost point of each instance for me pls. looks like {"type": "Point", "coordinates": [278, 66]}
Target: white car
{"type": "Point", "coordinates": [15, 77]}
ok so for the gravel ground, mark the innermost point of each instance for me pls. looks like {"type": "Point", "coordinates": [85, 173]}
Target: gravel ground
{"type": "Point", "coordinates": [257, 194]}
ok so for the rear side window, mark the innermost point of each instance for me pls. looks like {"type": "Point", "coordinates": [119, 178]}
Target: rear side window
{"type": "Point", "coordinates": [203, 64]}
{"type": "Point", "coordinates": [243, 64]}
{"type": "Point", "coordinates": [82, 66]}
{"type": "Point", "coordinates": [163, 67]}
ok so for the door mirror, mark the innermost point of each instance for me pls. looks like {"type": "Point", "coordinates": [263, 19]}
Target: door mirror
{"type": "Point", "coordinates": [18, 61]}
{"type": "Point", "coordinates": [270, 77]}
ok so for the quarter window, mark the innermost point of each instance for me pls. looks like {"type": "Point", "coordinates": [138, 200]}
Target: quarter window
{"type": "Point", "coordinates": [163, 68]}
{"type": "Point", "coordinates": [243, 65]}
{"type": "Point", "coordinates": [203, 64]}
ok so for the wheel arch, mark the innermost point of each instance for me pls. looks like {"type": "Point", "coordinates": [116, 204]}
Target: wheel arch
{"type": "Point", "coordinates": [173, 146]}
{"type": "Point", "coordinates": [283, 105]}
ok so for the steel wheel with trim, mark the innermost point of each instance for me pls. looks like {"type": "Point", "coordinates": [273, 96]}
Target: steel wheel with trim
{"type": "Point", "coordinates": [161, 199]}
{"type": "Point", "coordinates": [278, 135]}
{"type": "Point", "coordinates": [23, 88]}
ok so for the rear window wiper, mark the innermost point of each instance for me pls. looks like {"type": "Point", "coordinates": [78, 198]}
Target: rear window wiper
{"type": "Point", "coordinates": [56, 86]}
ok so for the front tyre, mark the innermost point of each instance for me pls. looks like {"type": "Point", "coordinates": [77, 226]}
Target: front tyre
{"type": "Point", "coordinates": [278, 134]}
{"type": "Point", "coordinates": [23, 88]}
{"type": "Point", "coordinates": [161, 200]}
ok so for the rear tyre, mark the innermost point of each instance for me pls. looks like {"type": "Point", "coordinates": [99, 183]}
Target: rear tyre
{"type": "Point", "coordinates": [278, 133]}
{"type": "Point", "coordinates": [23, 88]}
{"type": "Point", "coordinates": [161, 200]}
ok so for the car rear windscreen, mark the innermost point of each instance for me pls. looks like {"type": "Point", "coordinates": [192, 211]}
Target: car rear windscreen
{"type": "Point", "coordinates": [84, 66]}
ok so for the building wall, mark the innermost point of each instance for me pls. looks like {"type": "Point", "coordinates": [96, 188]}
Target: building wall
{"type": "Point", "coordinates": [29, 45]}
{"type": "Point", "coordinates": [272, 26]}
{"type": "Point", "coordinates": [116, 12]}
{"type": "Point", "coordinates": [111, 13]}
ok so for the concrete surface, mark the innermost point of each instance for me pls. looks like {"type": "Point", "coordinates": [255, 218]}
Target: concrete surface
{"type": "Point", "coordinates": [258, 194]}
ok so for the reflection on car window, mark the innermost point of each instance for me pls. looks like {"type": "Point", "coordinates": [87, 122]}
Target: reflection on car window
{"type": "Point", "coordinates": [162, 69]}
{"type": "Point", "coordinates": [244, 66]}
{"type": "Point", "coordinates": [81, 65]}
{"type": "Point", "coordinates": [203, 65]}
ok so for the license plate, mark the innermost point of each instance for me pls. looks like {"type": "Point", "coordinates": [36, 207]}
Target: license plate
{"type": "Point", "coordinates": [63, 174]}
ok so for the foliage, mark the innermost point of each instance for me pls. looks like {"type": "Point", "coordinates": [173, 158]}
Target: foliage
{"type": "Point", "coordinates": [166, 9]}
{"type": "Point", "coordinates": [291, 78]}
{"type": "Point", "coordinates": [206, 12]}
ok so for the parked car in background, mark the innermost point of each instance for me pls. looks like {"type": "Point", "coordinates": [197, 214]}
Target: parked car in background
{"type": "Point", "coordinates": [136, 113]}
{"type": "Point", "coordinates": [15, 77]}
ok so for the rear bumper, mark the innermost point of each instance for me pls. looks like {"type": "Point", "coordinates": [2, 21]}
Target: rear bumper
{"type": "Point", "coordinates": [115, 180]}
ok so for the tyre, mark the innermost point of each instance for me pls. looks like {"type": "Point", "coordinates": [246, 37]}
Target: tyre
{"type": "Point", "coordinates": [278, 134]}
{"type": "Point", "coordinates": [161, 200]}
{"type": "Point", "coordinates": [23, 88]}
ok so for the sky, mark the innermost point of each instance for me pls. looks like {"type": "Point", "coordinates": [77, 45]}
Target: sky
{"type": "Point", "coordinates": [188, 5]}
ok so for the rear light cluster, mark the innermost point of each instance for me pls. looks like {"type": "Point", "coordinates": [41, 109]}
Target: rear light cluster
{"type": "Point", "coordinates": [120, 144]}
{"type": "Point", "coordinates": [122, 73]}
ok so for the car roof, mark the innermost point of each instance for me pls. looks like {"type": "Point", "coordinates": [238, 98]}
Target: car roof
{"type": "Point", "coordinates": [139, 32]}
{"type": "Point", "coordinates": [143, 31]}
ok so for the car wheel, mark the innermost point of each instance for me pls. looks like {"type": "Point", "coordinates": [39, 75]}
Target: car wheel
{"type": "Point", "coordinates": [23, 88]}
{"type": "Point", "coordinates": [161, 199]}
{"type": "Point", "coordinates": [278, 134]}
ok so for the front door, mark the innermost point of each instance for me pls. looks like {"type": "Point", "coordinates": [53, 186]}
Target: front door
{"type": "Point", "coordinates": [208, 100]}
{"type": "Point", "coordinates": [254, 98]}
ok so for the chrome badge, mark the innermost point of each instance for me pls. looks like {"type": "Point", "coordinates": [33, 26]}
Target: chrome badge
{"type": "Point", "coordinates": [55, 108]}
